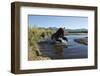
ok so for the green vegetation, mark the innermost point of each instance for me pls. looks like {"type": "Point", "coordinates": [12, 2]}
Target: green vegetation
{"type": "Point", "coordinates": [35, 35]}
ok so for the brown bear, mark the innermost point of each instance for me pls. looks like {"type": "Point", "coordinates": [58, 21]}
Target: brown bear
{"type": "Point", "coordinates": [59, 34]}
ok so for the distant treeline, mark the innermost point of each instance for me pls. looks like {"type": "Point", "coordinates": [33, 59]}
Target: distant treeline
{"type": "Point", "coordinates": [81, 30]}
{"type": "Point", "coordinates": [76, 30]}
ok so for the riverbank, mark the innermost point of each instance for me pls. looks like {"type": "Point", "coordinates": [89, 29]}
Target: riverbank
{"type": "Point", "coordinates": [36, 54]}
{"type": "Point", "coordinates": [82, 40]}
{"type": "Point", "coordinates": [75, 33]}
{"type": "Point", "coordinates": [34, 36]}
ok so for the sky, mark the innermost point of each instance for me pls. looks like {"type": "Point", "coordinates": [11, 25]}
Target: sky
{"type": "Point", "coordinates": [69, 22]}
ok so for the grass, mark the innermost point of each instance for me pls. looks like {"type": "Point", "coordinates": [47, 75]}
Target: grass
{"type": "Point", "coordinates": [34, 36]}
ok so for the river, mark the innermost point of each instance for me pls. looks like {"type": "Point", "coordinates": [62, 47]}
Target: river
{"type": "Point", "coordinates": [73, 51]}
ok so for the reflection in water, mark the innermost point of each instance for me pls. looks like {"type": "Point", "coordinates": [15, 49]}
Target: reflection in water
{"type": "Point", "coordinates": [58, 50]}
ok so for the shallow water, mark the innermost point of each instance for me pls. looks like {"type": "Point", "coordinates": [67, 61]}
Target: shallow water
{"type": "Point", "coordinates": [73, 51]}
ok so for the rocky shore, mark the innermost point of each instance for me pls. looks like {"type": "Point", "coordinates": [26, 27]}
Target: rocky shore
{"type": "Point", "coordinates": [82, 40]}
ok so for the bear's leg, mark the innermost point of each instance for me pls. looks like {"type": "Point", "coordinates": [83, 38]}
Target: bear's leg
{"type": "Point", "coordinates": [65, 38]}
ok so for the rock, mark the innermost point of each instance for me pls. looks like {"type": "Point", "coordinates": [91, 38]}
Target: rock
{"type": "Point", "coordinates": [82, 41]}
